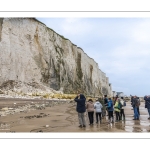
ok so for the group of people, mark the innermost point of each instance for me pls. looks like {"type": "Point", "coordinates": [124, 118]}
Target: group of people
{"type": "Point", "coordinates": [117, 105]}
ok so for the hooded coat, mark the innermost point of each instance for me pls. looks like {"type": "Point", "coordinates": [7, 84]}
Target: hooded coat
{"type": "Point", "coordinates": [110, 105]}
{"type": "Point", "coordinates": [98, 107]}
{"type": "Point", "coordinates": [147, 102]}
{"type": "Point", "coordinates": [90, 106]}
{"type": "Point", "coordinates": [80, 108]}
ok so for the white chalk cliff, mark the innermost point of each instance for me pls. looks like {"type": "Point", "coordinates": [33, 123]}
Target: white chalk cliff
{"type": "Point", "coordinates": [33, 55]}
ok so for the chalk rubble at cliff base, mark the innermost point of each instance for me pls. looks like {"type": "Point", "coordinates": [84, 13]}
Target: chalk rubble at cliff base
{"type": "Point", "coordinates": [31, 105]}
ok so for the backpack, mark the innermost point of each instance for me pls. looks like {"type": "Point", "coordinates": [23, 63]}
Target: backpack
{"type": "Point", "coordinates": [119, 105]}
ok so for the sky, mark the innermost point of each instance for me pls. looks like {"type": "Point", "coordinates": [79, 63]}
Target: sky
{"type": "Point", "coordinates": [120, 46]}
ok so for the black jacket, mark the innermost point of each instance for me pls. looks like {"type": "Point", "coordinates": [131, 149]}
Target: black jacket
{"type": "Point", "coordinates": [81, 108]}
{"type": "Point", "coordinates": [135, 102]}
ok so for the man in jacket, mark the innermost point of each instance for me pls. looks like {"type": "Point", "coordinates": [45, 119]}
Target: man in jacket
{"type": "Point", "coordinates": [81, 108]}
{"type": "Point", "coordinates": [147, 104]}
{"type": "Point", "coordinates": [110, 110]}
{"type": "Point", "coordinates": [135, 105]}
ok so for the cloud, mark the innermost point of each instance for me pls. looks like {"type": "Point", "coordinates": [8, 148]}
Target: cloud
{"type": "Point", "coordinates": [141, 32]}
{"type": "Point", "coordinates": [75, 27]}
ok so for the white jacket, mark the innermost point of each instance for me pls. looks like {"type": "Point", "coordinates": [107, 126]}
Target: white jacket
{"type": "Point", "coordinates": [98, 107]}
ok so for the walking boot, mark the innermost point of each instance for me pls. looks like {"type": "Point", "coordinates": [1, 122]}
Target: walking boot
{"type": "Point", "coordinates": [80, 126]}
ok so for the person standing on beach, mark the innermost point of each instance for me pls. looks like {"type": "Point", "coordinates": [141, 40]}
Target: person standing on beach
{"type": "Point", "coordinates": [117, 109]}
{"type": "Point", "coordinates": [81, 108]}
{"type": "Point", "coordinates": [110, 110]}
{"type": "Point", "coordinates": [138, 108]}
{"type": "Point", "coordinates": [123, 104]}
{"type": "Point", "coordinates": [106, 103]}
{"type": "Point", "coordinates": [147, 104]}
{"type": "Point", "coordinates": [90, 110]}
{"type": "Point", "coordinates": [135, 104]}
{"type": "Point", "coordinates": [98, 108]}
{"type": "Point", "coordinates": [104, 108]}
{"type": "Point", "coordinates": [132, 101]}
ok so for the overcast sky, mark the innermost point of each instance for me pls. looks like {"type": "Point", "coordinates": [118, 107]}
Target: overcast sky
{"type": "Point", "coordinates": [121, 47]}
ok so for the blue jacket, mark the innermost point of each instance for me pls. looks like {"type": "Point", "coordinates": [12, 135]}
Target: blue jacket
{"type": "Point", "coordinates": [147, 102]}
{"type": "Point", "coordinates": [110, 105]}
{"type": "Point", "coordinates": [81, 108]}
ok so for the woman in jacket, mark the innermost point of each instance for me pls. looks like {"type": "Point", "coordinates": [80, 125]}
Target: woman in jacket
{"type": "Point", "coordinates": [98, 108]}
{"type": "Point", "coordinates": [122, 108]}
{"type": "Point", "coordinates": [90, 110]}
{"type": "Point", "coordinates": [117, 109]}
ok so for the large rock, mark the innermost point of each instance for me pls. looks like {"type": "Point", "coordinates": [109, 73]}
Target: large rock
{"type": "Point", "coordinates": [33, 56]}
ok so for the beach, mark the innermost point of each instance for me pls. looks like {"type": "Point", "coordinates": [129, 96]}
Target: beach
{"type": "Point", "coordinates": [28, 115]}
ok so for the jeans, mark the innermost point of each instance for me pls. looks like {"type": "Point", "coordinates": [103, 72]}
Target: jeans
{"type": "Point", "coordinates": [148, 111]}
{"type": "Point", "coordinates": [136, 115]}
{"type": "Point", "coordinates": [90, 115]}
{"type": "Point", "coordinates": [98, 114]}
{"type": "Point", "coordinates": [81, 119]}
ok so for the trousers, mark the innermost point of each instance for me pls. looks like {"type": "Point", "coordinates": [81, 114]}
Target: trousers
{"type": "Point", "coordinates": [98, 115]}
{"type": "Point", "coordinates": [81, 119]}
{"type": "Point", "coordinates": [91, 116]}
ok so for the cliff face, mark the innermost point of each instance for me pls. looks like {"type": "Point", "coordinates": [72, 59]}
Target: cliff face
{"type": "Point", "coordinates": [31, 53]}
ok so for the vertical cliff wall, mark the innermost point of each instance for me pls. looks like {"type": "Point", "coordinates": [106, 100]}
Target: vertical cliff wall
{"type": "Point", "coordinates": [31, 52]}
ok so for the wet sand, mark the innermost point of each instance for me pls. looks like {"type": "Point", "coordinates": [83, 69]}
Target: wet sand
{"type": "Point", "coordinates": [64, 118]}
